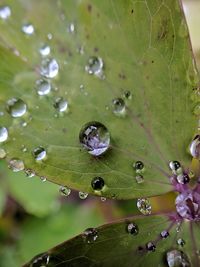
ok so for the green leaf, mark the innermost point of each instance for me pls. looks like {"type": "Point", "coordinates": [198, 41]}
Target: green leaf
{"type": "Point", "coordinates": [114, 246]}
{"type": "Point", "coordinates": [145, 49]}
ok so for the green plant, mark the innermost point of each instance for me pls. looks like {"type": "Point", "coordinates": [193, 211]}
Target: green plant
{"type": "Point", "coordinates": [111, 111]}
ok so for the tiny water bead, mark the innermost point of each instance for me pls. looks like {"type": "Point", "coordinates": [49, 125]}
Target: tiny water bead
{"type": "Point", "coordinates": [28, 29]}
{"type": "Point", "coordinates": [43, 87]}
{"type": "Point", "coordinates": [177, 258]}
{"type": "Point", "coordinates": [180, 242]}
{"type": "Point", "coordinates": [43, 178]}
{"type": "Point", "coordinates": [39, 153]}
{"type": "Point", "coordinates": [3, 134]}
{"type": "Point", "coordinates": [183, 178]}
{"type": "Point", "coordinates": [16, 165]}
{"type": "Point", "coordinates": [29, 173]}
{"type": "Point", "coordinates": [42, 260]}
{"type": "Point", "coordinates": [188, 205]}
{"type": "Point", "coordinates": [118, 106]}
{"type": "Point", "coordinates": [144, 206]}
{"type": "Point", "coordinates": [95, 138]}
{"type": "Point", "coordinates": [45, 50]}
{"type": "Point", "coordinates": [139, 178]}
{"type": "Point", "coordinates": [132, 229]}
{"type": "Point", "coordinates": [164, 234]}
{"type": "Point", "coordinates": [195, 147]}
{"type": "Point", "coordinates": [2, 153]}
{"type": "Point", "coordinates": [95, 65]}
{"type": "Point", "coordinates": [90, 235]}
{"type": "Point", "coordinates": [175, 167]}
{"type": "Point", "coordinates": [65, 191]}
{"type": "Point", "coordinates": [5, 12]}
{"type": "Point", "coordinates": [138, 166]}
{"type": "Point", "coordinates": [82, 195]}
{"type": "Point", "coordinates": [71, 28]}
{"type": "Point", "coordinates": [61, 104]}
{"type": "Point", "coordinates": [49, 68]}
{"type": "Point", "coordinates": [97, 183]}
{"type": "Point", "coordinates": [16, 107]}
{"type": "Point", "coordinates": [150, 246]}
{"type": "Point", "coordinates": [127, 95]}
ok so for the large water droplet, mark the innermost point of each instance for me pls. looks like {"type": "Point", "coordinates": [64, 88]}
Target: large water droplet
{"type": "Point", "coordinates": [90, 235]}
{"type": "Point", "coordinates": [16, 165]}
{"type": "Point", "coordinates": [177, 258]}
{"type": "Point", "coordinates": [82, 195]}
{"type": "Point", "coordinates": [97, 183]}
{"type": "Point", "coordinates": [119, 107]}
{"type": "Point", "coordinates": [43, 87]}
{"type": "Point", "coordinates": [39, 153]}
{"type": "Point", "coordinates": [195, 147]}
{"type": "Point", "coordinates": [45, 50]}
{"type": "Point", "coordinates": [95, 138]}
{"type": "Point", "coordinates": [94, 66]}
{"type": "Point", "coordinates": [144, 206]}
{"type": "Point", "coordinates": [5, 12]}
{"type": "Point", "coordinates": [2, 153]}
{"type": "Point", "coordinates": [28, 29]}
{"type": "Point", "coordinates": [16, 107]}
{"type": "Point", "coordinates": [65, 191]}
{"type": "Point", "coordinates": [49, 68]}
{"type": "Point", "coordinates": [61, 104]}
{"type": "Point", "coordinates": [3, 134]}
{"type": "Point", "coordinates": [132, 229]}
{"type": "Point", "coordinates": [175, 167]}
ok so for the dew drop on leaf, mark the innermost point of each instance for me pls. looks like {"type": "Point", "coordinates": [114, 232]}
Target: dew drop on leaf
{"type": "Point", "coordinates": [65, 191]}
{"type": "Point", "coordinates": [5, 12]}
{"type": "Point", "coordinates": [82, 195]}
{"type": "Point", "coordinates": [90, 235]}
{"type": "Point", "coordinates": [177, 258]}
{"type": "Point", "coordinates": [175, 167]}
{"type": "Point", "coordinates": [49, 68]}
{"type": "Point", "coordinates": [118, 107]}
{"type": "Point", "coordinates": [28, 29]}
{"type": "Point", "coordinates": [43, 178]}
{"type": "Point", "coordinates": [150, 246]}
{"type": "Point", "coordinates": [138, 166]}
{"type": "Point", "coordinates": [71, 28]}
{"type": "Point", "coordinates": [3, 134]}
{"type": "Point", "coordinates": [41, 261]}
{"type": "Point", "coordinates": [45, 50]}
{"type": "Point", "coordinates": [132, 229]}
{"type": "Point", "coordinates": [97, 183]}
{"type": "Point", "coordinates": [127, 95]}
{"type": "Point", "coordinates": [39, 153]}
{"type": "Point", "coordinates": [139, 178]}
{"type": "Point", "coordinates": [195, 147]}
{"type": "Point", "coordinates": [103, 199]}
{"type": "Point", "coordinates": [2, 153]}
{"type": "Point", "coordinates": [16, 107]}
{"type": "Point", "coordinates": [43, 87]}
{"type": "Point", "coordinates": [16, 165]}
{"type": "Point", "coordinates": [164, 234]}
{"type": "Point", "coordinates": [94, 65]}
{"type": "Point", "coordinates": [61, 104]}
{"type": "Point", "coordinates": [183, 178]}
{"type": "Point", "coordinates": [180, 242]}
{"type": "Point", "coordinates": [29, 173]}
{"type": "Point", "coordinates": [144, 206]}
{"type": "Point", "coordinates": [95, 138]}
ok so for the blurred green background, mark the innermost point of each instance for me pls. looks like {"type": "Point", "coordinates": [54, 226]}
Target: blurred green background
{"type": "Point", "coordinates": [34, 216]}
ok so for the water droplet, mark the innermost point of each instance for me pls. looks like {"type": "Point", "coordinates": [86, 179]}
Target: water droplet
{"type": "Point", "coordinates": [180, 242]}
{"type": "Point", "coordinates": [144, 206]}
{"type": "Point", "coordinates": [90, 235]}
{"type": "Point", "coordinates": [132, 229]}
{"type": "Point", "coordinates": [71, 28]}
{"type": "Point", "coordinates": [150, 246]}
{"type": "Point", "coordinates": [177, 258]}
{"type": "Point", "coordinates": [45, 50]}
{"type": "Point", "coordinates": [49, 68]}
{"type": "Point", "coordinates": [196, 110]}
{"type": "Point", "coordinates": [39, 153]}
{"type": "Point", "coordinates": [103, 199]}
{"type": "Point", "coordinates": [195, 147]}
{"type": "Point", "coordinates": [127, 95]}
{"type": "Point", "coordinates": [16, 107]}
{"type": "Point", "coordinates": [61, 104]}
{"type": "Point", "coordinates": [49, 36]}
{"type": "Point", "coordinates": [175, 167]}
{"type": "Point", "coordinates": [43, 87]}
{"type": "Point", "coordinates": [41, 261]}
{"type": "Point", "coordinates": [164, 234]}
{"type": "Point", "coordinates": [95, 65]}
{"type": "Point", "coordinates": [139, 179]}
{"type": "Point", "coordinates": [138, 166]}
{"type": "Point", "coordinates": [5, 12]}
{"type": "Point", "coordinates": [2, 153]}
{"type": "Point", "coordinates": [65, 191]}
{"type": "Point", "coordinates": [28, 29]}
{"type": "Point", "coordinates": [97, 183]}
{"type": "Point", "coordinates": [95, 138]}
{"type": "Point", "coordinates": [183, 178]}
{"type": "Point", "coordinates": [119, 107]}
{"type": "Point", "coordinates": [29, 173]}
{"type": "Point", "coordinates": [3, 134]}
{"type": "Point", "coordinates": [82, 195]}
{"type": "Point", "coordinates": [16, 165]}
